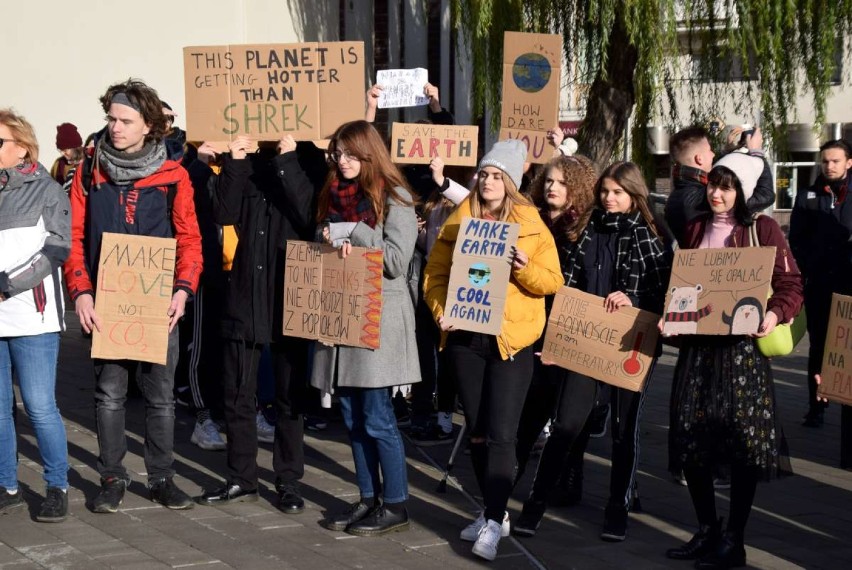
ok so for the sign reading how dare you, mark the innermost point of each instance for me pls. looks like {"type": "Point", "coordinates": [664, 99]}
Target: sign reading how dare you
{"type": "Point", "coordinates": [718, 291]}
{"type": "Point", "coordinates": [332, 299]}
{"type": "Point", "coordinates": [532, 70]}
{"type": "Point", "coordinates": [479, 276]}
{"type": "Point", "coordinates": [836, 374]}
{"type": "Point", "coordinates": [269, 90]}
{"type": "Point", "coordinates": [616, 348]}
{"type": "Point", "coordinates": [132, 298]}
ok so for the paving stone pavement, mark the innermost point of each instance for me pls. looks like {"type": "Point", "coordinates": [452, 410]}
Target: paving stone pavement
{"type": "Point", "coordinates": [800, 522]}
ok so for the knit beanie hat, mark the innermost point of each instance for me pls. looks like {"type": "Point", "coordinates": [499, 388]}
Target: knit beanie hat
{"type": "Point", "coordinates": [509, 156]}
{"type": "Point", "coordinates": [67, 136]}
{"type": "Point", "coordinates": [747, 168]}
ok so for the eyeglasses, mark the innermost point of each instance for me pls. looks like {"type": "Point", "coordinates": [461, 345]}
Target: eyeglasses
{"type": "Point", "coordinates": [4, 141]}
{"type": "Point", "coordinates": [337, 155]}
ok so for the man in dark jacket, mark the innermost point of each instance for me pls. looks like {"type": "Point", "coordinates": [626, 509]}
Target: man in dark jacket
{"type": "Point", "coordinates": [692, 159]}
{"type": "Point", "coordinates": [270, 199]}
{"type": "Point", "coordinates": [134, 188]}
{"type": "Point", "coordinates": [820, 233]}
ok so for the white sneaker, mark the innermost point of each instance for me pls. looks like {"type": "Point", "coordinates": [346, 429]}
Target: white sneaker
{"type": "Point", "coordinates": [487, 541]}
{"type": "Point", "coordinates": [265, 430]}
{"type": "Point", "coordinates": [206, 436]}
{"type": "Point", "coordinates": [470, 533]}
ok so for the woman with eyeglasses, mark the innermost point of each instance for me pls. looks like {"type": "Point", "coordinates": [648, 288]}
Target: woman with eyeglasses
{"type": "Point", "coordinates": [35, 240]}
{"type": "Point", "coordinates": [366, 203]}
{"type": "Point", "coordinates": [494, 372]}
{"type": "Point", "coordinates": [620, 257]}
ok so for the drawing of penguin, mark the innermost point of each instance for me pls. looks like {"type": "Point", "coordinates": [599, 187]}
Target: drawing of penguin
{"type": "Point", "coordinates": [746, 316]}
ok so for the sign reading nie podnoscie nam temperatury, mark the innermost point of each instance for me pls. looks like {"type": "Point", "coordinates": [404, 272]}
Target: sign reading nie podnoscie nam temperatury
{"type": "Point", "coordinates": [479, 275]}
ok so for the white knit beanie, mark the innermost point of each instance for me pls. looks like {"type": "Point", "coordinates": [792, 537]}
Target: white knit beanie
{"type": "Point", "coordinates": [747, 168]}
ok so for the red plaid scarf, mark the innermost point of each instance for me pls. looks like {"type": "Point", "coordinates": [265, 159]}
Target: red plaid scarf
{"type": "Point", "coordinates": [689, 173]}
{"type": "Point", "coordinates": [348, 203]}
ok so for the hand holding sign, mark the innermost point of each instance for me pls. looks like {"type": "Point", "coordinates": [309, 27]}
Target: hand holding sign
{"type": "Point", "coordinates": [84, 306]}
{"type": "Point", "coordinates": [239, 147]}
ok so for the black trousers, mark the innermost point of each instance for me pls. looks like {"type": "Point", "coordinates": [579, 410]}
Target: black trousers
{"type": "Point", "coordinates": [576, 401]}
{"type": "Point", "coordinates": [818, 307]}
{"type": "Point", "coordinates": [436, 376]}
{"type": "Point", "coordinates": [492, 391]}
{"type": "Point", "coordinates": [239, 372]}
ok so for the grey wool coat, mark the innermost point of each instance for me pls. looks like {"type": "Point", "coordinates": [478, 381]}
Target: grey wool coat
{"type": "Point", "coordinates": [395, 362]}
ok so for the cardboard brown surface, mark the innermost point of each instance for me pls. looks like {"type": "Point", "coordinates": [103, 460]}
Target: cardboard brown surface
{"type": "Point", "coordinates": [132, 298]}
{"type": "Point", "coordinates": [718, 291]}
{"type": "Point", "coordinates": [332, 299]}
{"type": "Point", "coordinates": [415, 143]}
{"type": "Point", "coordinates": [265, 91]}
{"type": "Point", "coordinates": [617, 348]}
{"type": "Point", "coordinates": [836, 373]}
{"type": "Point", "coordinates": [532, 75]}
{"type": "Point", "coordinates": [479, 275]}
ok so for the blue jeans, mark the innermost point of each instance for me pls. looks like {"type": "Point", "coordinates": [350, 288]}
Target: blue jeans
{"type": "Point", "coordinates": [157, 384]}
{"type": "Point", "coordinates": [376, 441]}
{"type": "Point", "coordinates": [34, 360]}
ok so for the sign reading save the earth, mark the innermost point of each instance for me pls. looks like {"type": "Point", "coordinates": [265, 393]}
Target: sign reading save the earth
{"type": "Point", "coordinates": [479, 276]}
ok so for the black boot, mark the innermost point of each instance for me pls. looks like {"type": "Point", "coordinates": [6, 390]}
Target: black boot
{"type": "Point", "coordinates": [729, 553]}
{"type": "Point", "coordinates": [703, 542]}
{"type": "Point", "coordinates": [380, 520]}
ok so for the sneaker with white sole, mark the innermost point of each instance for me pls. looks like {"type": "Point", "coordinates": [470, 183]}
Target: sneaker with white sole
{"type": "Point", "coordinates": [470, 533]}
{"type": "Point", "coordinates": [206, 436]}
{"type": "Point", "coordinates": [488, 540]}
{"type": "Point", "coordinates": [265, 430]}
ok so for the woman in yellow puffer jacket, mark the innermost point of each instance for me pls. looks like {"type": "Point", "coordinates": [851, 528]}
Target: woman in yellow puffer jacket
{"type": "Point", "coordinates": [494, 372]}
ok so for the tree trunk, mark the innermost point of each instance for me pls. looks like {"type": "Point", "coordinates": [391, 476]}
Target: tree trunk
{"type": "Point", "coordinates": [610, 100]}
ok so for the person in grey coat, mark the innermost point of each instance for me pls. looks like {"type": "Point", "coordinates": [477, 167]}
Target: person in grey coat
{"type": "Point", "coordinates": [366, 203]}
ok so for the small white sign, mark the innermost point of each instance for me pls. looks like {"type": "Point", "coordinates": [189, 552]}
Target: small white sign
{"type": "Point", "coordinates": [402, 87]}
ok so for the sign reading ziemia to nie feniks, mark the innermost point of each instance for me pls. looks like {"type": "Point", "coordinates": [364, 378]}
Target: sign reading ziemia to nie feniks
{"type": "Point", "coordinates": [479, 276]}
{"type": "Point", "coordinates": [265, 91]}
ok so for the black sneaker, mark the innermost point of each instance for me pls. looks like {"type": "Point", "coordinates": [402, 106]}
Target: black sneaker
{"type": "Point", "coordinates": [353, 513]}
{"type": "Point", "coordinates": [54, 508]}
{"type": "Point", "coordinates": [529, 521]}
{"type": "Point", "coordinates": [615, 524]}
{"type": "Point", "coordinates": [10, 502]}
{"type": "Point", "coordinates": [431, 436]}
{"type": "Point", "coordinates": [110, 496]}
{"type": "Point", "coordinates": [165, 492]}
{"type": "Point", "coordinates": [315, 423]}
{"type": "Point", "coordinates": [380, 520]}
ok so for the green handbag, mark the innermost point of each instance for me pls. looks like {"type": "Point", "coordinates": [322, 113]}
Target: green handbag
{"type": "Point", "coordinates": [784, 337]}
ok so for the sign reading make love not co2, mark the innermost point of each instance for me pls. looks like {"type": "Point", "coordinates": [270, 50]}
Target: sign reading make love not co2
{"type": "Point", "coordinates": [479, 276]}
{"type": "Point", "coordinates": [132, 298]}
{"type": "Point", "coordinates": [265, 91]}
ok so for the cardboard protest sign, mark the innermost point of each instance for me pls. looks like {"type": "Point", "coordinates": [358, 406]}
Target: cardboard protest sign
{"type": "Point", "coordinates": [265, 91]}
{"type": "Point", "coordinates": [132, 298]}
{"type": "Point", "coordinates": [718, 291]}
{"type": "Point", "coordinates": [836, 373]}
{"type": "Point", "coordinates": [402, 87]}
{"type": "Point", "coordinates": [616, 348]}
{"type": "Point", "coordinates": [532, 74]}
{"type": "Point", "coordinates": [332, 299]}
{"type": "Point", "coordinates": [415, 143]}
{"type": "Point", "coordinates": [479, 276]}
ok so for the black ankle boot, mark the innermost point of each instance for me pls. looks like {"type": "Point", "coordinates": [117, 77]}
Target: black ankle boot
{"type": "Point", "coordinates": [703, 542]}
{"type": "Point", "coordinates": [729, 553]}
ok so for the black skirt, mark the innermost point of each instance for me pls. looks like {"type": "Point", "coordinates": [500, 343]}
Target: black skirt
{"type": "Point", "coordinates": [723, 407]}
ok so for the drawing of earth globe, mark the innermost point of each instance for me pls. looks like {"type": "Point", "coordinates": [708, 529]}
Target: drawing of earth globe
{"type": "Point", "coordinates": [531, 72]}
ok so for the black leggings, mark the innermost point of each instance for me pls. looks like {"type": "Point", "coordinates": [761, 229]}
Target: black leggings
{"type": "Point", "coordinates": [492, 391]}
{"type": "Point", "coordinates": [744, 480]}
{"type": "Point", "coordinates": [576, 401]}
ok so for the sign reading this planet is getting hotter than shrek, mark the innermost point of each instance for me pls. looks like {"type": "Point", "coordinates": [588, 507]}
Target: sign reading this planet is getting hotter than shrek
{"type": "Point", "coordinates": [479, 276]}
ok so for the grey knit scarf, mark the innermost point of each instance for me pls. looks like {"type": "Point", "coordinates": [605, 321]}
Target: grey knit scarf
{"type": "Point", "coordinates": [126, 167]}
